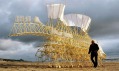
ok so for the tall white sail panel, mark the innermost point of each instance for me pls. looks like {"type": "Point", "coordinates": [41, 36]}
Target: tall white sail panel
{"type": "Point", "coordinates": [78, 20]}
{"type": "Point", "coordinates": [87, 25]}
{"type": "Point", "coordinates": [56, 11]}
{"type": "Point", "coordinates": [73, 19]}
{"type": "Point", "coordinates": [86, 22]}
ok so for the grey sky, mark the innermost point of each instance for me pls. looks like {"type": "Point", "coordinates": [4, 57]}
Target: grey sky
{"type": "Point", "coordinates": [104, 26]}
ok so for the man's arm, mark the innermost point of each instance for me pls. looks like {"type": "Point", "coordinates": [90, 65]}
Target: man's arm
{"type": "Point", "coordinates": [97, 47]}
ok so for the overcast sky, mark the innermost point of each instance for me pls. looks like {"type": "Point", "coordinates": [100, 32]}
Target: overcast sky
{"type": "Point", "coordinates": [104, 26]}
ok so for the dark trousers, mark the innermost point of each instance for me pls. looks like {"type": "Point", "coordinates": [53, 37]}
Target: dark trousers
{"type": "Point", "coordinates": [94, 58]}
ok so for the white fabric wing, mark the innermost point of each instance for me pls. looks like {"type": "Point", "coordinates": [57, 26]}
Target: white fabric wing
{"type": "Point", "coordinates": [56, 11]}
{"type": "Point", "coordinates": [102, 53]}
{"type": "Point", "coordinates": [78, 20]}
{"type": "Point", "coordinates": [37, 20]}
{"type": "Point", "coordinates": [85, 22]}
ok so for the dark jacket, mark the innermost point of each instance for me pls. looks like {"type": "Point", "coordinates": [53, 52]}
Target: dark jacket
{"type": "Point", "coordinates": [93, 48]}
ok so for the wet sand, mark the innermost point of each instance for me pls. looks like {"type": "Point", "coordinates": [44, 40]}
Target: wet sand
{"type": "Point", "coordinates": [32, 66]}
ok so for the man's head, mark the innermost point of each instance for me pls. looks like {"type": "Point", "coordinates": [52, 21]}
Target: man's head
{"type": "Point", "coordinates": [92, 41]}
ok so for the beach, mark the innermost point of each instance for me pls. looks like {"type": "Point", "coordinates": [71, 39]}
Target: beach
{"type": "Point", "coordinates": [33, 66]}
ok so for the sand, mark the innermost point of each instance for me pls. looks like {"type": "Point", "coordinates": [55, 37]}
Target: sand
{"type": "Point", "coordinates": [32, 66]}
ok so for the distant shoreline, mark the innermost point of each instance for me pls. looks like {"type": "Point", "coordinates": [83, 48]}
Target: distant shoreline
{"type": "Point", "coordinates": [111, 60]}
{"type": "Point", "coordinates": [21, 60]}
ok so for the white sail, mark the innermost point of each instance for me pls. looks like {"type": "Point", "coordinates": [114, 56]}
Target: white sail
{"type": "Point", "coordinates": [37, 20]}
{"type": "Point", "coordinates": [101, 52]}
{"type": "Point", "coordinates": [78, 20]}
{"type": "Point", "coordinates": [56, 11]}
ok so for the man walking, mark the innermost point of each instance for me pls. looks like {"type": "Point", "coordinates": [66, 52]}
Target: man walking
{"type": "Point", "coordinates": [94, 53]}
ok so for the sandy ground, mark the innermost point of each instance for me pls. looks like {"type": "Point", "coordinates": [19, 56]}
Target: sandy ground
{"type": "Point", "coordinates": [28, 66]}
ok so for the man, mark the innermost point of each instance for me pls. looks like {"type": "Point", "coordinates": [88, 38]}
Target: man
{"type": "Point", "coordinates": [94, 53]}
